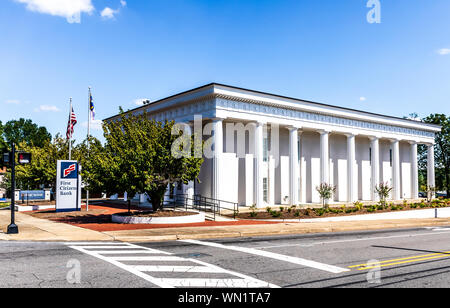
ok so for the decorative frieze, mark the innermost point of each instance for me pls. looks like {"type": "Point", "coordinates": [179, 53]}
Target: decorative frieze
{"type": "Point", "coordinates": [321, 118]}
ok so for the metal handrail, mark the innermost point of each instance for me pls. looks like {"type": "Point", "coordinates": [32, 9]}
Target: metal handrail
{"type": "Point", "coordinates": [201, 203]}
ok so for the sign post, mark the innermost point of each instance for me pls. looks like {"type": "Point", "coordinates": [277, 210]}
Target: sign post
{"type": "Point", "coordinates": [68, 188]}
{"type": "Point", "coordinates": [13, 228]}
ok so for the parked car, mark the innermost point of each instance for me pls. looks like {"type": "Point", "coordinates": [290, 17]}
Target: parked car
{"type": "Point", "coordinates": [422, 194]}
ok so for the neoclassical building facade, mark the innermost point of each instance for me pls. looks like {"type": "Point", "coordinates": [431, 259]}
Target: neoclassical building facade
{"type": "Point", "coordinates": [275, 150]}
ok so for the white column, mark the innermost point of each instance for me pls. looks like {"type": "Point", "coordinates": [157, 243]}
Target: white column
{"type": "Point", "coordinates": [430, 166]}
{"type": "Point", "coordinates": [375, 162]}
{"type": "Point", "coordinates": [396, 169]}
{"type": "Point", "coordinates": [293, 162]}
{"type": "Point", "coordinates": [414, 172]}
{"type": "Point", "coordinates": [351, 180]}
{"type": "Point", "coordinates": [259, 139]}
{"type": "Point", "coordinates": [324, 157]}
{"type": "Point", "coordinates": [218, 150]}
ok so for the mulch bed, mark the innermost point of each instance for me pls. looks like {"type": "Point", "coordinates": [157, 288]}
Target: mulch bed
{"type": "Point", "coordinates": [157, 214]}
{"type": "Point", "coordinates": [321, 213]}
{"type": "Point", "coordinates": [98, 218]}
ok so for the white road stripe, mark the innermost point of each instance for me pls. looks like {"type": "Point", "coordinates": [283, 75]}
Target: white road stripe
{"type": "Point", "coordinates": [201, 267]}
{"type": "Point", "coordinates": [213, 283]}
{"type": "Point", "coordinates": [124, 252]}
{"type": "Point", "coordinates": [267, 254]}
{"type": "Point", "coordinates": [148, 278]}
{"type": "Point", "coordinates": [148, 258]}
{"type": "Point", "coordinates": [94, 243]}
{"type": "Point", "coordinates": [107, 247]}
{"type": "Point", "coordinates": [178, 269]}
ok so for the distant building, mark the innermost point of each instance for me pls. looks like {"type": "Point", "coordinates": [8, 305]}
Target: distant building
{"type": "Point", "coordinates": [290, 146]}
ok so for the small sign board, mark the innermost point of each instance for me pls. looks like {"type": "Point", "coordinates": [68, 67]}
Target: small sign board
{"type": "Point", "coordinates": [31, 195]}
{"type": "Point", "coordinates": [68, 186]}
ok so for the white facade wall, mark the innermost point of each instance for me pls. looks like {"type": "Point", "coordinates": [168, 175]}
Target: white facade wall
{"type": "Point", "coordinates": [239, 167]}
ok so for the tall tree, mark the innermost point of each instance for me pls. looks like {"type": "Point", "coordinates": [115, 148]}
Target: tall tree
{"type": "Point", "coordinates": [3, 145]}
{"type": "Point", "coordinates": [442, 153]}
{"type": "Point", "coordinates": [22, 130]}
{"type": "Point", "coordinates": [138, 157]}
{"type": "Point", "coordinates": [42, 169]}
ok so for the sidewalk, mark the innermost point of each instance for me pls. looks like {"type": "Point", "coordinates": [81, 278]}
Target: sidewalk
{"type": "Point", "coordinates": [35, 229]}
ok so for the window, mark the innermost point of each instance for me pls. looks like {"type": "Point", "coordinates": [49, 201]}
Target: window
{"type": "Point", "coordinates": [265, 190]}
{"type": "Point", "coordinates": [265, 149]}
{"type": "Point", "coordinates": [390, 157]}
{"type": "Point", "coordinates": [370, 156]}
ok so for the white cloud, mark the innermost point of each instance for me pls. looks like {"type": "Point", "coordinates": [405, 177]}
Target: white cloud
{"type": "Point", "coordinates": [12, 101]}
{"type": "Point", "coordinates": [47, 108]}
{"type": "Point", "coordinates": [139, 101]}
{"type": "Point", "coordinates": [95, 124]}
{"type": "Point", "coordinates": [108, 13]}
{"type": "Point", "coordinates": [70, 9]}
{"type": "Point", "coordinates": [362, 99]}
{"type": "Point", "coordinates": [444, 51]}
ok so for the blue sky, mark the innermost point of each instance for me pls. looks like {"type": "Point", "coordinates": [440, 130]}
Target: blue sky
{"type": "Point", "coordinates": [320, 50]}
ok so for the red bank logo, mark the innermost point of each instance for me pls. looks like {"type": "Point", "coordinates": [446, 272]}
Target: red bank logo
{"type": "Point", "coordinates": [69, 170]}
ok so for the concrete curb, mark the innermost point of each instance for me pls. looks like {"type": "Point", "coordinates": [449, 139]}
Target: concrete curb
{"type": "Point", "coordinates": [263, 230]}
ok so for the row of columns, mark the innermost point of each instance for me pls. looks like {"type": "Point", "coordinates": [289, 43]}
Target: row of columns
{"type": "Point", "coordinates": [324, 165]}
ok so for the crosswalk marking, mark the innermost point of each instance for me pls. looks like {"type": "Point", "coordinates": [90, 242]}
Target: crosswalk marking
{"type": "Point", "coordinates": [179, 269]}
{"type": "Point", "coordinates": [276, 256]}
{"type": "Point", "coordinates": [150, 258]}
{"type": "Point", "coordinates": [106, 247]}
{"type": "Point", "coordinates": [111, 252]}
{"type": "Point", "coordinates": [212, 283]}
{"type": "Point", "coordinates": [121, 256]}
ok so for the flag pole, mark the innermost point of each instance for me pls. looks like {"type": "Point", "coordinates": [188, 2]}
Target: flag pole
{"type": "Point", "coordinates": [88, 143]}
{"type": "Point", "coordinates": [70, 134]}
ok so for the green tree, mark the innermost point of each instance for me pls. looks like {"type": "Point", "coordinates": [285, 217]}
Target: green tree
{"type": "Point", "coordinates": [22, 130]}
{"type": "Point", "coordinates": [90, 155]}
{"type": "Point", "coordinates": [42, 169]}
{"type": "Point", "coordinates": [138, 158]}
{"type": "Point", "coordinates": [3, 145]}
{"type": "Point", "coordinates": [441, 152]}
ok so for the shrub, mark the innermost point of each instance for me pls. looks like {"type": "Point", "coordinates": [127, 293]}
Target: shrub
{"type": "Point", "coordinates": [372, 208]}
{"type": "Point", "coordinates": [383, 190]}
{"type": "Point", "coordinates": [281, 208]}
{"type": "Point", "coordinates": [297, 213]}
{"type": "Point", "coordinates": [319, 212]}
{"type": "Point", "coordinates": [326, 191]}
{"type": "Point", "coordinates": [358, 205]}
{"type": "Point", "coordinates": [268, 209]}
{"type": "Point", "coordinates": [253, 211]}
{"type": "Point", "coordinates": [276, 214]}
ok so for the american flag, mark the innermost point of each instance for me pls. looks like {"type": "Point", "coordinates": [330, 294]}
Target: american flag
{"type": "Point", "coordinates": [71, 124]}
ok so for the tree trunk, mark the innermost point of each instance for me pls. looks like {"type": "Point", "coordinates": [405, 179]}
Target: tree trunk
{"type": "Point", "coordinates": [156, 197]}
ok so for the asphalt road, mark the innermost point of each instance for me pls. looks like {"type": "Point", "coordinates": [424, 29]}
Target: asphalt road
{"type": "Point", "coordinates": [418, 258]}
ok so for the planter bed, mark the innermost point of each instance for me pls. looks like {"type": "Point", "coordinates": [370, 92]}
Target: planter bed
{"type": "Point", "coordinates": [161, 217]}
{"type": "Point", "coordinates": [292, 213]}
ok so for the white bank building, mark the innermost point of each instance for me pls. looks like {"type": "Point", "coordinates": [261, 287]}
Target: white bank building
{"type": "Point", "coordinates": [274, 150]}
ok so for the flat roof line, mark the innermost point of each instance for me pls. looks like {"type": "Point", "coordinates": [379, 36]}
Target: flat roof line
{"type": "Point", "coordinates": [279, 96]}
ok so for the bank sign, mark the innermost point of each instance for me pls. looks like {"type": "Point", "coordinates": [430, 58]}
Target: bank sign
{"type": "Point", "coordinates": [68, 186]}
